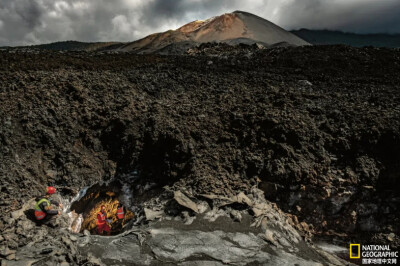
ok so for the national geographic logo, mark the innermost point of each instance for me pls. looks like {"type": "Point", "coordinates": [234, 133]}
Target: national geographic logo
{"type": "Point", "coordinates": [355, 251]}
{"type": "Point", "coordinates": [374, 254]}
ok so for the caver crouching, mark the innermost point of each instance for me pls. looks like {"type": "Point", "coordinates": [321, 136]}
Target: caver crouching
{"type": "Point", "coordinates": [44, 207]}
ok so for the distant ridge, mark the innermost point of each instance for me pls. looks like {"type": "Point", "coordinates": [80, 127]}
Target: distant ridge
{"type": "Point", "coordinates": [327, 37]}
{"type": "Point", "coordinates": [77, 46]}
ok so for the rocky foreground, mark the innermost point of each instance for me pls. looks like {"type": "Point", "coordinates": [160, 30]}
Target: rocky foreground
{"type": "Point", "coordinates": [177, 232]}
{"type": "Point", "coordinates": [314, 129]}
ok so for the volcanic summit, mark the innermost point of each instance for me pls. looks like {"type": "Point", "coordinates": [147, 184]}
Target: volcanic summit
{"type": "Point", "coordinates": [233, 28]}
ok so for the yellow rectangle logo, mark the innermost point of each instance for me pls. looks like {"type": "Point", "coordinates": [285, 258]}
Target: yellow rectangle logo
{"type": "Point", "coordinates": [354, 255]}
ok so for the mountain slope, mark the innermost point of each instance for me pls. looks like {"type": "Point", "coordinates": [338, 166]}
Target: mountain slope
{"type": "Point", "coordinates": [230, 27]}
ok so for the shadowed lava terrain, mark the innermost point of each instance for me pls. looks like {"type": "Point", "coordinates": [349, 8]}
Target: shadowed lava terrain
{"type": "Point", "coordinates": [316, 128]}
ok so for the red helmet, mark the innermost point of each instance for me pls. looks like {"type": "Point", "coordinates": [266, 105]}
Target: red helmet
{"type": "Point", "coordinates": [51, 190]}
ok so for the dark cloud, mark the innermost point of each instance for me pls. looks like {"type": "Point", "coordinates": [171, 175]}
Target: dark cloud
{"type": "Point", "coordinates": [362, 16]}
{"type": "Point", "coordinates": [29, 11]}
{"type": "Point", "coordinates": [40, 21]}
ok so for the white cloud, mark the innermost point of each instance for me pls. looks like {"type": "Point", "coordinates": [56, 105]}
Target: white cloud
{"type": "Point", "coordinates": [121, 27]}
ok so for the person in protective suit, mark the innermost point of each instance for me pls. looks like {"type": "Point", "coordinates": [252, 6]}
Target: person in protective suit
{"type": "Point", "coordinates": [44, 207]}
{"type": "Point", "coordinates": [102, 221]}
{"type": "Point", "coordinates": [120, 212]}
{"type": "Point", "coordinates": [120, 217]}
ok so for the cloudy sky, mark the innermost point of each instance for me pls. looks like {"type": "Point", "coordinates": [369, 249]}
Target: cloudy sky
{"type": "Point", "coordinates": [25, 22]}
